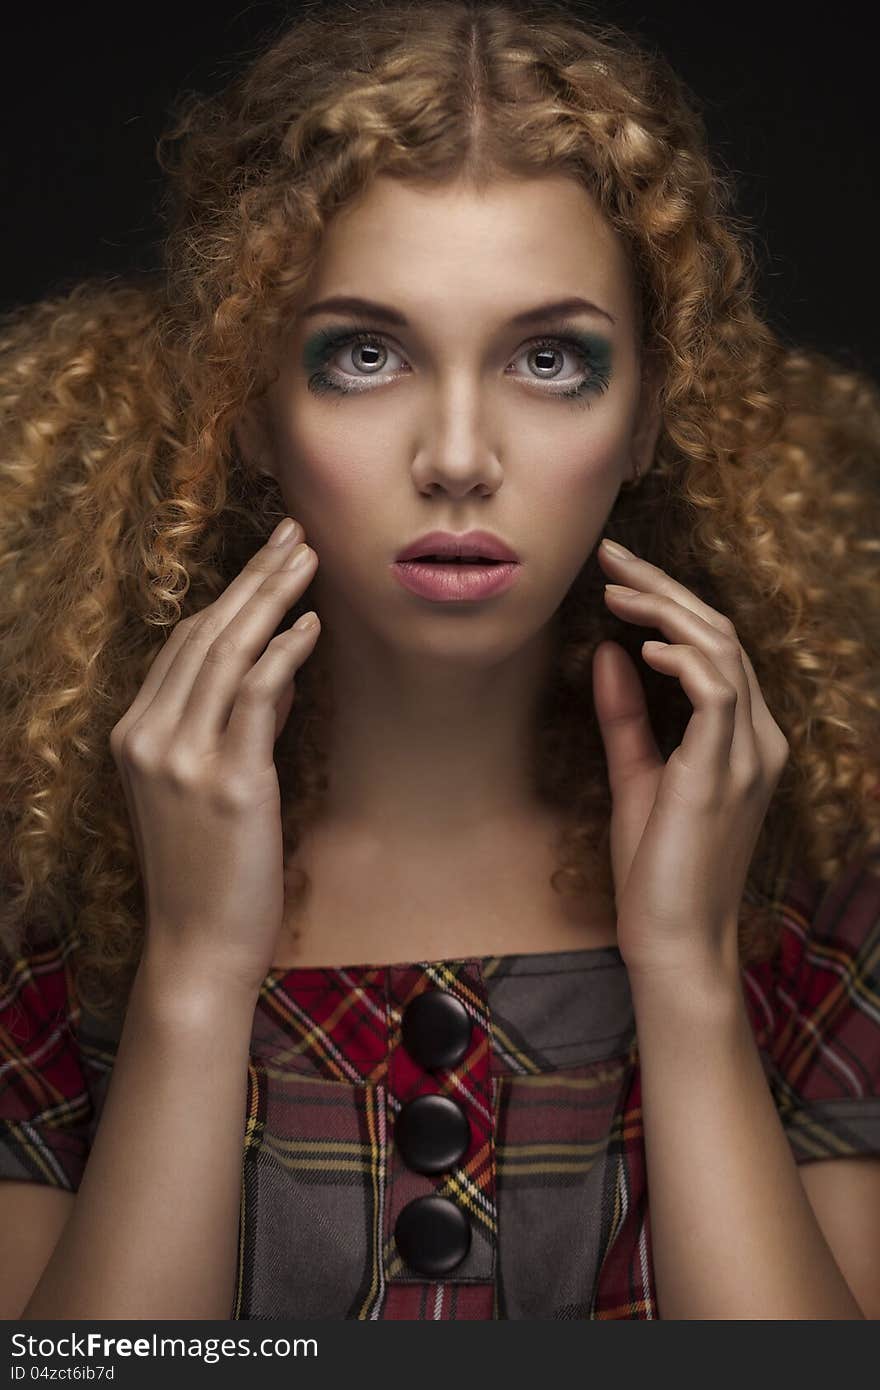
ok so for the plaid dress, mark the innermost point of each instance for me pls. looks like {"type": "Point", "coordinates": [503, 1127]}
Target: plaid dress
{"type": "Point", "coordinates": [552, 1183]}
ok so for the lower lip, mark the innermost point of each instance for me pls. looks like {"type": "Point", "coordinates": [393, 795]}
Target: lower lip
{"type": "Point", "coordinates": [455, 583]}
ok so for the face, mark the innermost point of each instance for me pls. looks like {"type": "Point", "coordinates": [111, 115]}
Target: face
{"type": "Point", "coordinates": [444, 413]}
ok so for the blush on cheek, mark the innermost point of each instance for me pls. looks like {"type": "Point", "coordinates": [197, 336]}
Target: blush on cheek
{"type": "Point", "coordinates": [345, 498]}
{"type": "Point", "coordinates": [577, 491]}
{"type": "Point", "coordinates": [589, 466]}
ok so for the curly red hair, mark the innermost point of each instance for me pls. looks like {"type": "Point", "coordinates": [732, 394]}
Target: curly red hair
{"type": "Point", "coordinates": [124, 504]}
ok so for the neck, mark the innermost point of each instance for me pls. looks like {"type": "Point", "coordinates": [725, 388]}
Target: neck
{"type": "Point", "coordinates": [427, 744]}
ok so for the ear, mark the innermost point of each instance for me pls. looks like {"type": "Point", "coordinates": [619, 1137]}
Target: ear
{"type": "Point", "coordinates": [253, 435]}
{"type": "Point", "coordinates": [649, 421]}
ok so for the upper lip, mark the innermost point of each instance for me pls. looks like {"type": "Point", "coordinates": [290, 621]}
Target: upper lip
{"type": "Point", "coordinates": [470, 543]}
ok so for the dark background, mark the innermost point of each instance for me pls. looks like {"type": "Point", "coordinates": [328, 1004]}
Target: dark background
{"type": "Point", "coordinates": [790, 105]}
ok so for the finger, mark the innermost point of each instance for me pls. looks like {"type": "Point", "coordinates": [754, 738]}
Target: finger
{"type": "Point", "coordinates": [251, 733]}
{"type": "Point", "coordinates": [705, 750]}
{"type": "Point", "coordinates": [222, 609]}
{"type": "Point", "coordinates": [641, 574]}
{"type": "Point", "coordinates": [622, 715]}
{"type": "Point", "coordinates": [282, 711]}
{"type": "Point", "coordinates": [680, 624]}
{"type": "Point", "coordinates": [200, 691]}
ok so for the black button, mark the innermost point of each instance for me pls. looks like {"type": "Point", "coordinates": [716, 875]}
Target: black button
{"type": "Point", "coordinates": [436, 1028]}
{"type": "Point", "coordinates": [432, 1133]}
{"type": "Point", "coordinates": [433, 1235]}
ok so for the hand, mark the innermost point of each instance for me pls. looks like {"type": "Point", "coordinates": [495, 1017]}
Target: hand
{"type": "Point", "coordinates": [195, 755]}
{"type": "Point", "coordinates": [683, 833]}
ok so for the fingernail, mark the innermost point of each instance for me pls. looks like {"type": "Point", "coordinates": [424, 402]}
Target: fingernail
{"type": "Point", "coordinates": [622, 589]}
{"type": "Point", "coordinates": [297, 555]}
{"type": "Point", "coordinates": [614, 549]}
{"type": "Point", "coordinates": [282, 531]}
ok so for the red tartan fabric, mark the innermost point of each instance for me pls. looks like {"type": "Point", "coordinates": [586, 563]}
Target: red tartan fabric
{"type": "Point", "coordinates": [553, 1180]}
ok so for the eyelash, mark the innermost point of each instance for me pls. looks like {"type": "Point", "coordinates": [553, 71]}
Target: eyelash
{"type": "Point", "coordinates": [334, 340]}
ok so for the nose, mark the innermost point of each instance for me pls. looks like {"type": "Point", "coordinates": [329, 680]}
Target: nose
{"type": "Point", "coordinates": [457, 456]}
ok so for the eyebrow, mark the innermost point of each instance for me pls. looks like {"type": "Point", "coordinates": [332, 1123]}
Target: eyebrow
{"type": "Point", "coordinates": [353, 304]}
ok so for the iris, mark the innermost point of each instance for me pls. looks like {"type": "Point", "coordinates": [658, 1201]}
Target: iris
{"type": "Point", "coordinates": [592, 351]}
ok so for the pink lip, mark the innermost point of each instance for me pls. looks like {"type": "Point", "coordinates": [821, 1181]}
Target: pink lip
{"type": "Point", "coordinates": [454, 583]}
{"type": "Point", "coordinates": [482, 544]}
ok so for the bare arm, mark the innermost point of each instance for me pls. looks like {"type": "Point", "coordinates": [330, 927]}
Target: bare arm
{"type": "Point", "coordinates": [733, 1232]}
{"type": "Point", "coordinates": [154, 1229]}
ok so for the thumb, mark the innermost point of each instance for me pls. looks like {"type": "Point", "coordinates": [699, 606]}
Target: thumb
{"type": "Point", "coordinates": [622, 713]}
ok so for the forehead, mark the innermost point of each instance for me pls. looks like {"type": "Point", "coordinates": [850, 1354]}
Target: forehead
{"type": "Point", "coordinates": [518, 241]}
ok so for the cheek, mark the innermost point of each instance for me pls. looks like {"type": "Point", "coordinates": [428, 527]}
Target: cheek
{"type": "Point", "coordinates": [580, 479]}
{"type": "Point", "coordinates": [323, 462]}
{"type": "Point", "coordinates": [569, 502]}
{"type": "Point", "coordinates": [333, 492]}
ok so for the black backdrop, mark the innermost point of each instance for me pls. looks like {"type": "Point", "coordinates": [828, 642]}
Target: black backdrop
{"type": "Point", "coordinates": [790, 103]}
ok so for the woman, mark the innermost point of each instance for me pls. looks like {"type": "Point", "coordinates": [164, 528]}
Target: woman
{"type": "Point", "coordinates": [611, 901]}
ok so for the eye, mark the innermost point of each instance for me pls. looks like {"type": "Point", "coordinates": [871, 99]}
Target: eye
{"type": "Point", "coordinates": [545, 361]}
{"type": "Point", "coordinates": [365, 354]}
{"type": "Point", "coordinates": [368, 354]}
{"type": "Point", "coordinates": [362, 355]}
